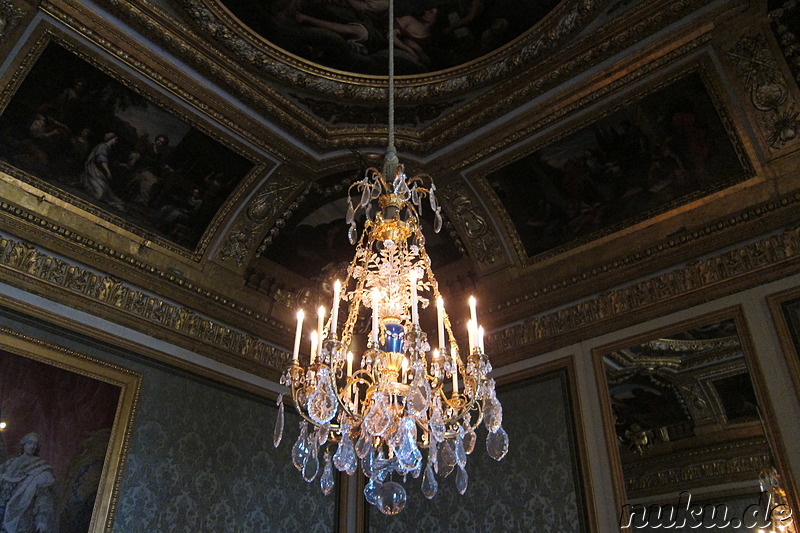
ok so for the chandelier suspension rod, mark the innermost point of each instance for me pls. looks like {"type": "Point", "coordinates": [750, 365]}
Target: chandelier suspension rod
{"type": "Point", "coordinates": [392, 161]}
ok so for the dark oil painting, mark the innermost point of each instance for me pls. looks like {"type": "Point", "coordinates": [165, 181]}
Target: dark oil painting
{"type": "Point", "coordinates": [82, 132]}
{"type": "Point", "coordinates": [351, 35]}
{"type": "Point", "coordinates": [643, 159]}
{"type": "Point", "coordinates": [54, 445]}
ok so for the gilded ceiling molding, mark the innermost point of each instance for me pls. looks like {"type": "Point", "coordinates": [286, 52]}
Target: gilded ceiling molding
{"type": "Point", "coordinates": [708, 465]}
{"type": "Point", "coordinates": [761, 76]}
{"type": "Point", "coordinates": [106, 296]}
{"type": "Point", "coordinates": [23, 219]}
{"type": "Point", "coordinates": [470, 216]}
{"type": "Point", "coordinates": [770, 252]}
{"type": "Point", "coordinates": [486, 107]}
{"type": "Point", "coordinates": [10, 17]}
{"type": "Point", "coordinates": [562, 23]}
{"type": "Point", "coordinates": [85, 22]}
{"type": "Point", "coordinates": [519, 134]}
{"type": "Point", "coordinates": [247, 232]}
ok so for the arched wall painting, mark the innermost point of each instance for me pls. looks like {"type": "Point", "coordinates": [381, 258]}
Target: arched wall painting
{"type": "Point", "coordinates": [164, 175]}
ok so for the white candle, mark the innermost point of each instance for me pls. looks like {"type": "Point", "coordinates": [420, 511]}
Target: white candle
{"type": "Point", "coordinates": [473, 311]}
{"type": "Point", "coordinates": [349, 364]}
{"type": "Point", "coordinates": [414, 311]}
{"type": "Point", "coordinates": [480, 339]}
{"type": "Point", "coordinates": [314, 341]}
{"type": "Point", "coordinates": [471, 334]}
{"type": "Point", "coordinates": [375, 326]}
{"type": "Point", "coordinates": [337, 288]}
{"type": "Point", "coordinates": [320, 320]}
{"type": "Point", "coordinates": [455, 373]}
{"type": "Point", "coordinates": [297, 336]}
{"type": "Point", "coordinates": [440, 314]}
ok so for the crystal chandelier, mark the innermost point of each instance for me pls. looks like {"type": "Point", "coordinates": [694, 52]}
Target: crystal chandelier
{"type": "Point", "coordinates": [402, 397]}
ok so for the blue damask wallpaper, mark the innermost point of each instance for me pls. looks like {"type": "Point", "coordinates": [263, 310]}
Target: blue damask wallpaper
{"type": "Point", "coordinates": [533, 489]}
{"type": "Point", "coordinates": [201, 456]}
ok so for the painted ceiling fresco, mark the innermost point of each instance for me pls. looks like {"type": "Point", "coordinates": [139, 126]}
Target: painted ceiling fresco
{"type": "Point", "coordinates": [350, 35]}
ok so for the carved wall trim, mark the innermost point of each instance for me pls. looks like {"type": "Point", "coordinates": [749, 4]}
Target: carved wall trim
{"type": "Point", "coordinates": [85, 288]}
{"type": "Point", "coordinates": [246, 232]}
{"type": "Point", "coordinates": [775, 252]}
{"type": "Point", "coordinates": [468, 214]}
{"type": "Point", "coordinates": [762, 78]}
{"type": "Point", "coordinates": [10, 17]}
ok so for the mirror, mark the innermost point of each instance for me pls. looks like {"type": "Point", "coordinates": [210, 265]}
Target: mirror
{"type": "Point", "coordinates": [682, 412]}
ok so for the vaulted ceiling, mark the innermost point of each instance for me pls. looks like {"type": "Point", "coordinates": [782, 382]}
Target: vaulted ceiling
{"type": "Point", "coordinates": [574, 144]}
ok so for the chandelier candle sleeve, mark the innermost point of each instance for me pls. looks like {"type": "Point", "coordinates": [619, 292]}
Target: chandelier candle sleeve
{"type": "Point", "coordinates": [337, 288]}
{"type": "Point", "coordinates": [471, 335]}
{"type": "Point", "coordinates": [298, 334]}
{"type": "Point", "coordinates": [320, 327]}
{"type": "Point", "coordinates": [375, 327]}
{"type": "Point", "coordinates": [480, 339]}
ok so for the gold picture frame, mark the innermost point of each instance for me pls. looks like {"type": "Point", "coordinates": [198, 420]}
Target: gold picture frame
{"type": "Point", "coordinates": [84, 441]}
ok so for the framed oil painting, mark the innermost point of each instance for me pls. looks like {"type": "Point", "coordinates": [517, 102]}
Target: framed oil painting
{"type": "Point", "coordinates": [644, 157]}
{"type": "Point", "coordinates": [66, 421]}
{"type": "Point", "coordinates": [77, 129]}
{"type": "Point", "coordinates": [785, 309]}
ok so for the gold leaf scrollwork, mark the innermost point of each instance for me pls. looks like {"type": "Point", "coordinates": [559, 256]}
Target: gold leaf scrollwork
{"type": "Point", "coordinates": [472, 218]}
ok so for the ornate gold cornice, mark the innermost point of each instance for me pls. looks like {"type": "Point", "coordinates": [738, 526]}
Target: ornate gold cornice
{"type": "Point", "coordinates": [81, 287]}
{"type": "Point", "coordinates": [752, 263]}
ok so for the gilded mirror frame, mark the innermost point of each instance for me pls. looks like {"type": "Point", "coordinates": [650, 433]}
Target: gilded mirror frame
{"type": "Point", "coordinates": [764, 408]}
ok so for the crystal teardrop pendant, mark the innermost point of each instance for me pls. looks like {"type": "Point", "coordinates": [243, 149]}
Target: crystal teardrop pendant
{"type": "Point", "coordinates": [497, 444]}
{"type": "Point", "coordinates": [419, 396]}
{"type": "Point", "coordinates": [460, 452]}
{"type": "Point", "coordinates": [405, 445]}
{"type": "Point", "coordinates": [351, 233]}
{"type": "Point", "coordinates": [448, 452]}
{"type": "Point", "coordinates": [437, 221]}
{"type": "Point", "coordinates": [377, 420]}
{"type": "Point", "coordinates": [492, 414]}
{"type": "Point", "coordinates": [345, 457]}
{"type": "Point", "coordinates": [462, 479]}
{"type": "Point", "coordinates": [363, 444]}
{"type": "Point", "coordinates": [469, 441]}
{"type": "Point", "coordinates": [390, 498]}
{"type": "Point", "coordinates": [300, 448]}
{"type": "Point", "coordinates": [348, 219]}
{"type": "Point", "coordinates": [429, 483]}
{"type": "Point", "coordinates": [326, 479]}
{"type": "Point", "coordinates": [310, 465]}
{"type": "Point", "coordinates": [277, 434]}
{"type": "Point", "coordinates": [322, 403]}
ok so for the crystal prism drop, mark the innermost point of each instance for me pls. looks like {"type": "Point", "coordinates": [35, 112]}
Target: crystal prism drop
{"type": "Point", "coordinates": [300, 448]}
{"type": "Point", "coordinates": [448, 452]}
{"type": "Point", "coordinates": [497, 444]}
{"type": "Point", "coordinates": [348, 219]}
{"type": "Point", "coordinates": [437, 426]}
{"type": "Point", "coordinates": [419, 395]}
{"type": "Point", "coordinates": [460, 452]}
{"type": "Point", "coordinates": [366, 194]}
{"type": "Point", "coordinates": [376, 190]}
{"type": "Point", "coordinates": [405, 445]}
{"type": "Point", "coordinates": [492, 414]}
{"type": "Point", "coordinates": [363, 444]}
{"type": "Point", "coordinates": [461, 480]}
{"type": "Point", "coordinates": [469, 440]}
{"type": "Point", "coordinates": [351, 233]}
{"type": "Point", "coordinates": [432, 196]}
{"type": "Point", "coordinates": [370, 491]}
{"type": "Point", "coordinates": [433, 456]}
{"type": "Point", "coordinates": [310, 465]}
{"type": "Point", "coordinates": [377, 420]}
{"type": "Point", "coordinates": [321, 434]}
{"type": "Point", "coordinates": [415, 196]}
{"type": "Point", "coordinates": [390, 498]}
{"type": "Point", "coordinates": [277, 435]}
{"type": "Point", "coordinates": [322, 403]}
{"type": "Point", "coordinates": [345, 457]}
{"type": "Point", "coordinates": [437, 221]}
{"type": "Point", "coordinates": [326, 479]}
{"type": "Point", "coordinates": [429, 483]}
